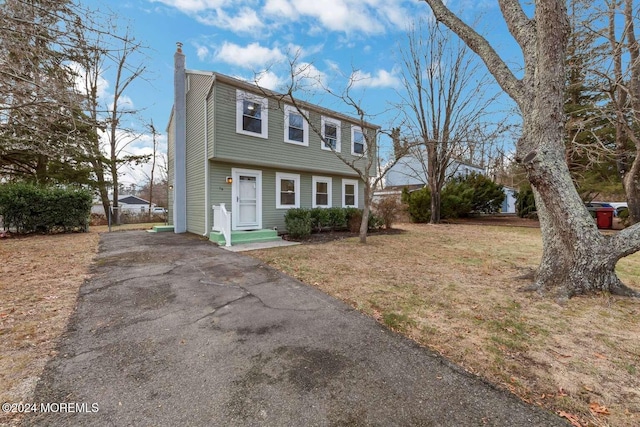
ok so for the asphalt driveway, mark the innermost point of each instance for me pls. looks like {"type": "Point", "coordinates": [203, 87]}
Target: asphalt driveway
{"type": "Point", "coordinates": [173, 331]}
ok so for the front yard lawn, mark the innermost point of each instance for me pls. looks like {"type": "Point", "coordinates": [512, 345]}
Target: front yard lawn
{"type": "Point", "coordinates": [454, 288]}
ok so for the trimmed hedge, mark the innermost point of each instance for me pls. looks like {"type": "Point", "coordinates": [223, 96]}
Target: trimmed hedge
{"type": "Point", "coordinates": [301, 222]}
{"type": "Point", "coordinates": [29, 208]}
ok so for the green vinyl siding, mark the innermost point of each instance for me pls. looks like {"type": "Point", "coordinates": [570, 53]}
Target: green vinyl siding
{"type": "Point", "coordinates": [252, 150]}
{"type": "Point", "coordinates": [271, 216]}
{"type": "Point", "coordinates": [215, 128]}
{"type": "Point", "coordinates": [197, 88]}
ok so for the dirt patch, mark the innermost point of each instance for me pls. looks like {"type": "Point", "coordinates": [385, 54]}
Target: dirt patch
{"type": "Point", "coordinates": [454, 289]}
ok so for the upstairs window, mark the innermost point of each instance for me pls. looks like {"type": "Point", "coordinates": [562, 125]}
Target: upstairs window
{"type": "Point", "coordinates": [330, 134]}
{"type": "Point", "coordinates": [296, 128]}
{"type": "Point", "coordinates": [357, 141]}
{"type": "Point", "coordinates": [252, 114]}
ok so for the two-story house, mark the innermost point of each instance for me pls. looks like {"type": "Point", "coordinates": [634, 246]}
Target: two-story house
{"type": "Point", "coordinates": [235, 146]}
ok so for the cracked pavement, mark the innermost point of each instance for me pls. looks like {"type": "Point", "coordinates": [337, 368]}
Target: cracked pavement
{"type": "Point", "coordinates": [171, 330]}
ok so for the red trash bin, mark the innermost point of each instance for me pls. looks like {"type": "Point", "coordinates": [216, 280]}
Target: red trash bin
{"type": "Point", "coordinates": [604, 217]}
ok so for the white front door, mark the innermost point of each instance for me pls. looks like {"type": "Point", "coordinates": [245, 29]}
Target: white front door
{"type": "Point", "coordinates": [247, 199]}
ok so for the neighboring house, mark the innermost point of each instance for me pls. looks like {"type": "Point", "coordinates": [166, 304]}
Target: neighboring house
{"type": "Point", "coordinates": [128, 204]}
{"type": "Point", "coordinates": [509, 203]}
{"type": "Point", "coordinates": [231, 143]}
{"type": "Point", "coordinates": [134, 204]}
{"type": "Point", "coordinates": [411, 170]}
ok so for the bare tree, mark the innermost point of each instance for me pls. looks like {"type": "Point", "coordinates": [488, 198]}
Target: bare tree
{"type": "Point", "coordinates": [154, 135]}
{"type": "Point", "coordinates": [576, 257]}
{"type": "Point", "coordinates": [624, 93]}
{"type": "Point", "coordinates": [96, 54]}
{"type": "Point", "coordinates": [367, 163]}
{"type": "Point", "coordinates": [445, 98]}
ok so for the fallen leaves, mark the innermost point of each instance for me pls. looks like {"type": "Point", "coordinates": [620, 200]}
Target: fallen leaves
{"type": "Point", "coordinates": [598, 409]}
{"type": "Point", "coordinates": [575, 422]}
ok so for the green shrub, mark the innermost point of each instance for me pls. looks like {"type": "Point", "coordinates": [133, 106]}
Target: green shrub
{"type": "Point", "coordinates": [375, 222]}
{"type": "Point", "coordinates": [320, 219]}
{"type": "Point", "coordinates": [487, 196]}
{"type": "Point", "coordinates": [354, 219]}
{"type": "Point", "coordinates": [456, 199]}
{"type": "Point", "coordinates": [387, 209]}
{"type": "Point", "coordinates": [298, 223]}
{"type": "Point", "coordinates": [30, 208]}
{"type": "Point", "coordinates": [419, 204]}
{"type": "Point", "coordinates": [525, 202]}
{"type": "Point", "coordinates": [623, 214]}
{"type": "Point", "coordinates": [474, 193]}
{"type": "Point", "coordinates": [337, 218]}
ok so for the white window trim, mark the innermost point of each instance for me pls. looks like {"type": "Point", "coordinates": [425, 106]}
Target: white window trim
{"type": "Point", "coordinates": [355, 129]}
{"type": "Point", "coordinates": [346, 182]}
{"type": "Point", "coordinates": [288, 109]}
{"type": "Point", "coordinates": [264, 113]}
{"type": "Point", "coordinates": [338, 133]}
{"type": "Point", "coordinates": [329, 182]}
{"type": "Point", "coordinates": [296, 178]}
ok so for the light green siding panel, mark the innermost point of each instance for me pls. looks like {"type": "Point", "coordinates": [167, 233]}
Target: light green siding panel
{"type": "Point", "coordinates": [245, 149]}
{"type": "Point", "coordinates": [198, 86]}
{"type": "Point", "coordinates": [220, 191]}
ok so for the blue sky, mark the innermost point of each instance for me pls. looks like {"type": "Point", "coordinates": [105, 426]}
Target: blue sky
{"type": "Point", "coordinates": [240, 38]}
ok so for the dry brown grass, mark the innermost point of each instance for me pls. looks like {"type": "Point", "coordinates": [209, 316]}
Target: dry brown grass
{"type": "Point", "coordinates": [39, 281]}
{"type": "Point", "coordinates": [453, 288]}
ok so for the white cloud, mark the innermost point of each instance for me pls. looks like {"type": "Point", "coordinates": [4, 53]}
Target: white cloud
{"type": "Point", "coordinates": [81, 80]}
{"type": "Point", "coordinates": [193, 5]}
{"type": "Point", "coordinates": [308, 77]}
{"type": "Point", "coordinates": [347, 16]}
{"type": "Point", "coordinates": [140, 145]}
{"type": "Point", "coordinates": [202, 52]}
{"type": "Point", "coordinates": [252, 56]}
{"type": "Point", "coordinates": [245, 21]}
{"type": "Point", "coordinates": [381, 79]}
{"type": "Point", "coordinates": [268, 80]}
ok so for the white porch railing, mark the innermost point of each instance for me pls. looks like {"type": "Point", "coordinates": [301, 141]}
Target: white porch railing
{"type": "Point", "coordinates": [222, 222]}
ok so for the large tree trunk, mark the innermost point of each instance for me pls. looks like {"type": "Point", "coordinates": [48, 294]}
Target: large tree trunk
{"type": "Point", "coordinates": [576, 257]}
{"type": "Point", "coordinates": [364, 224]}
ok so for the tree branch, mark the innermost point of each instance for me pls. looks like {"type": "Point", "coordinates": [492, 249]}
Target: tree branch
{"type": "Point", "coordinates": [497, 67]}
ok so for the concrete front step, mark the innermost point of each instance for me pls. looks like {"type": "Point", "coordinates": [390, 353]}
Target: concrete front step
{"type": "Point", "coordinates": [242, 237]}
{"type": "Point", "coordinates": [161, 229]}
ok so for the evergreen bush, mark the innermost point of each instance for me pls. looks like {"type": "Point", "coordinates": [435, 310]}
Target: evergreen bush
{"type": "Point", "coordinates": [525, 202]}
{"type": "Point", "coordinates": [298, 223]}
{"type": "Point", "coordinates": [29, 208]}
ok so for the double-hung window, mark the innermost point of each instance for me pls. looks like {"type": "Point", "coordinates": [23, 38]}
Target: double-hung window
{"type": "Point", "coordinates": [349, 193]}
{"type": "Point", "coordinates": [252, 114]}
{"type": "Point", "coordinates": [296, 128]}
{"type": "Point", "coordinates": [287, 190]}
{"type": "Point", "coordinates": [330, 134]}
{"type": "Point", "coordinates": [357, 141]}
{"type": "Point", "coordinates": [321, 192]}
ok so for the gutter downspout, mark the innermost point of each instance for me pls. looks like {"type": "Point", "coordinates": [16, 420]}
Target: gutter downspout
{"type": "Point", "coordinates": [207, 197]}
